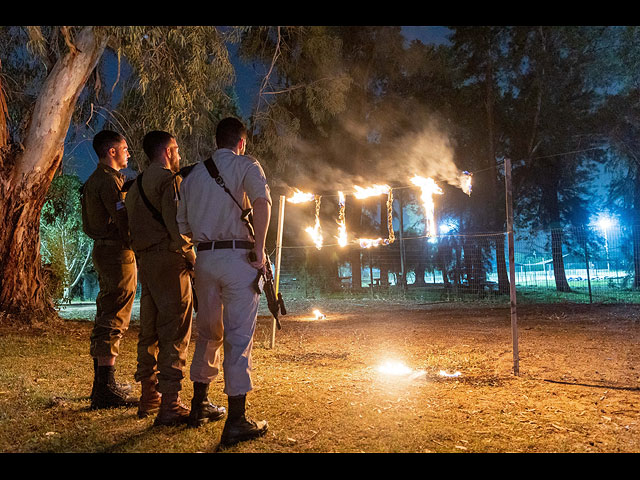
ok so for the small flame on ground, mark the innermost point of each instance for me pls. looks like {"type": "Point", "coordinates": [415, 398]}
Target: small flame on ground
{"type": "Point", "coordinates": [319, 315]}
{"type": "Point", "coordinates": [394, 368]}
{"type": "Point", "coordinates": [445, 374]}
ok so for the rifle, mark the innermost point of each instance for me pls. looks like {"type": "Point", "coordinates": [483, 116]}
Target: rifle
{"type": "Point", "coordinates": [264, 280]}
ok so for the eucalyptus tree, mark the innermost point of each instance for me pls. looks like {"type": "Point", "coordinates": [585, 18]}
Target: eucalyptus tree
{"type": "Point", "coordinates": [61, 62]}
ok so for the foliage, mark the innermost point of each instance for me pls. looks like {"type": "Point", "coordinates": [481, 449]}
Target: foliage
{"type": "Point", "coordinates": [64, 246]}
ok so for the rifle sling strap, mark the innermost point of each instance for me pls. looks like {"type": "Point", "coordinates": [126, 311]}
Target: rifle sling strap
{"type": "Point", "coordinates": [215, 174]}
{"type": "Point", "coordinates": [154, 212]}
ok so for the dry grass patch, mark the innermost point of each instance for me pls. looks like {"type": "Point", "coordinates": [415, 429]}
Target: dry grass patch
{"type": "Point", "coordinates": [321, 390]}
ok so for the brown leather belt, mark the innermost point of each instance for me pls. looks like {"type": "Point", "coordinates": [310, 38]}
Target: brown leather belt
{"type": "Point", "coordinates": [244, 244]}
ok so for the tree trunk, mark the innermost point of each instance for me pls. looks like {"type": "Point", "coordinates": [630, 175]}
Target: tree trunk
{"type": "Point", "coordinates": [557, 237]}
{"type": "Point", "coordinates": [501, 265]}
{"type": "Point", "coordinates": [26, 175]}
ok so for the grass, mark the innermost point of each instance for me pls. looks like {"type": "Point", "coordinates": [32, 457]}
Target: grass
{"type": "Point", "coordinates": [321, 391]}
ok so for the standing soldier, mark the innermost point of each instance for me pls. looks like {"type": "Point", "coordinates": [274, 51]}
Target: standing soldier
{"type": "Point", "coordinates": [166, 261]}
{"type": "Point", "coordinates": [227, 298]}
{"type": "Point", "coordinates": [104, 219]}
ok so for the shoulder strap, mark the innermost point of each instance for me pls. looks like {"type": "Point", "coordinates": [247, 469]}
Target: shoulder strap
{"type": "Point", "coordinates": [154, 212]}
{"type": "Point", "coordinates": [247, 214]}
{"type": "Point", "coordinates": [126, 186]}
{"type": "Point", "coordinates": [215, 174]}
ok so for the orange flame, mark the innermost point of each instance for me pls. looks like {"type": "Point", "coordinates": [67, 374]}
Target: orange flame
{"type": "Point", "coordinates": [300, 197]}
{"type": "Point", "coordinates": [342, 228]}
{"type": "Point", "coordinates": [429, 188]}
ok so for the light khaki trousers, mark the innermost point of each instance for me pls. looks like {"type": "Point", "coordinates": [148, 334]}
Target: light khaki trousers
{"type": "Point", "coordinates": [227, 313]}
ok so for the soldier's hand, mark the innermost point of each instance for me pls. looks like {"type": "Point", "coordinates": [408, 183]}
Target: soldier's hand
{"type": "Point", "coordinates": [257, 259]}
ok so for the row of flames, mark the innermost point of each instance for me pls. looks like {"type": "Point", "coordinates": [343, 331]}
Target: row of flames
{"type": "Point", "coordinates": [428, 188]}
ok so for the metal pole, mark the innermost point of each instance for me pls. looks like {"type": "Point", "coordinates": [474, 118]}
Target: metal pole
{"type": "Point", "coordinates": [402, 267]}
{"type": "Point", "coordinates": [586, 260]}
{"type": "Point", "coordinates": [512, 266]}
{"type": "Point", "coordinates": [278, 260]}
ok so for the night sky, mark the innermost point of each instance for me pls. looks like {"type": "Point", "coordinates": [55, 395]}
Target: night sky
{"type": "Point", "coordinates": [81, 159]}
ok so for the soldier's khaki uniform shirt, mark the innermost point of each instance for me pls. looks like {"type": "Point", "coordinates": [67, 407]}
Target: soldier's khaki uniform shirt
{"type": "Point", "coordinates": [161, 188]}
{"type": "Point", "coordinates": [104, 219]}
{"type": "Point", "coordinates": [166, 297]}
{"type": "Point", "coordinates": [103, 211]}
{"type": "Point", "coordinates": [206, 211]}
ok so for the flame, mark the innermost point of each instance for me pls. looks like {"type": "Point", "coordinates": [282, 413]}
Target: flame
{"type": "Point", "coordinates": [445, 374]}
{"type": "Point", "coordinates": [394, 368]}
{"type": "Point", "coordinates": [342, 228]}
{"type": "Point", "coordinates": [300, 197]}
{"type": "Point", "coordinates": [319, 315]}
{"type": "Point", "coordinates": [315, 231]}
{"type": "Point", "coordinates": [371, 191]}
{"type": "Point", "coordinates": [465, 182]}
{"type": "Point", "coordinates": [429, 188]}
{"type": "Point", "coordinates": [369, 242]}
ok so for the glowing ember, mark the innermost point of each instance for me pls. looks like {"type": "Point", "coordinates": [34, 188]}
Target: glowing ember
{"type": "Point", "coordinates": [371, 191]}
{"type": "Point", "coordinates": [315, 231]}
{"type": "Point", "coordinates": [394, 368]}
{"type": "Point", "coordinates": [319, 315]}
{"type": "Point", "coordinates": [342, 228]}
{"type": "Point", "coordinates": [465, 182]}
{"type": "Point", "coordinates": [429, 188]}
{"type": "Point", "coordinates": [445, 374]}
{"type": "Point", "coordinates": [300, 197]}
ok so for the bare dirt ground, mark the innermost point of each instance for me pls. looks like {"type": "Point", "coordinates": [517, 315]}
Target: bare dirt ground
{"type": "Point", "coordinates": [320, 387]}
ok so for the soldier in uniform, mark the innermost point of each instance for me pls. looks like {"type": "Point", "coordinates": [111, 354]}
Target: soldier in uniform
{"type": "Point", "coordinates": [166, 260]}
{"type": "Point", "coordinates": [104, 219]}
{"type": "Point", "coordinates": [227, 298]}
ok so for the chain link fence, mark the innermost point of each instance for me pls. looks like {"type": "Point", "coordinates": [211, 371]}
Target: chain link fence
{"type": "Point", "coordinates": [585, 265]}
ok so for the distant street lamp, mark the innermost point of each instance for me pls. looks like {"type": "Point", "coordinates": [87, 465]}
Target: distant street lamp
{"type": "Point", "coordinates": [605, 223]}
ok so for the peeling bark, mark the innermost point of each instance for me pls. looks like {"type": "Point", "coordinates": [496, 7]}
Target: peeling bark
{"type": "Point", "coordinates": [27, 174]}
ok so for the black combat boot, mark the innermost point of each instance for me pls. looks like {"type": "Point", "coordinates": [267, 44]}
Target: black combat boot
{"type": "Point", "coordinates": [125, 387]}
{"type": "Point", "coordinates": [202, 410]}
{"type": "Point", "coordinates": [238, 428]}
{"type": "Point", "coordinates": [107, 393]}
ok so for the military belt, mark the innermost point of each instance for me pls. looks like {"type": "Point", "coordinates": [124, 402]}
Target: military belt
{"type": "Point", "coordinates": [225, 244]}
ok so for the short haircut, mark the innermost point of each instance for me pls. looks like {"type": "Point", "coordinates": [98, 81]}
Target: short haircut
{"type": "Point", "coordinates": [229, 132]}
{"type": "Point", "coordinates": [154, 142]}
{"type": "Point", "coordinates": [105, 140]}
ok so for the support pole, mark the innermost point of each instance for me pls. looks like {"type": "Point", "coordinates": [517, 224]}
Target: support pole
{"type": "Point", "coordinates": [403, 278]}
{"type": "Point", "coordinates": [512, 265]}
{"type": "Point", "coordinates": [278, 260]}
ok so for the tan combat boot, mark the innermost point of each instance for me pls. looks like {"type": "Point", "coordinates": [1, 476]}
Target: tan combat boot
{"type": "Point", "coordinates": [172, 411]}
{"type": "Point", "coordinates": [150, 398]}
